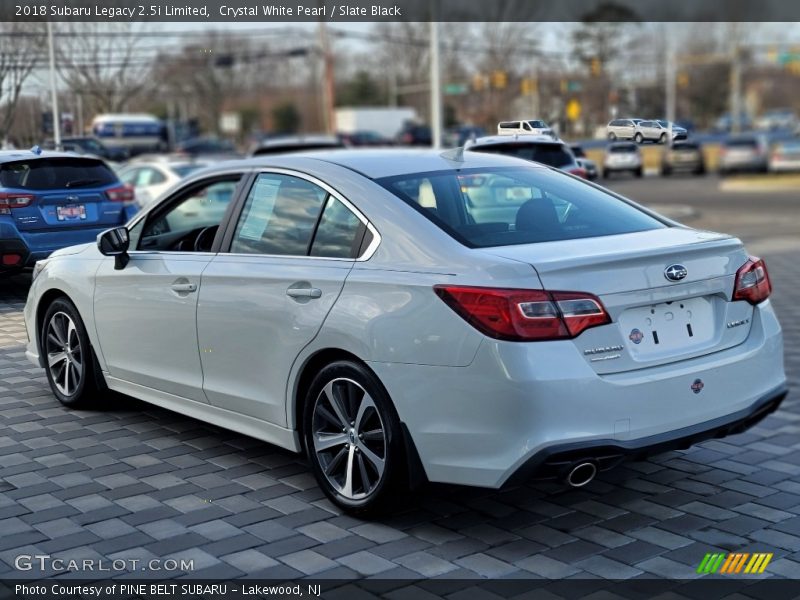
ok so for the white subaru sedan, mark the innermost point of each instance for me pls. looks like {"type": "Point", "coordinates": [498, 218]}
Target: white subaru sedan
{"type": "Point", "coordinates": [403, 316]}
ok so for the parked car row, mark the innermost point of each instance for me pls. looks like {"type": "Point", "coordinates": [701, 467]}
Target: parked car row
{"type": "Point", "coordinates": [643, 130]}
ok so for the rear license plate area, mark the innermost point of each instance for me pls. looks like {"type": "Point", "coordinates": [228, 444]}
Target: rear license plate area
{"type": "Point", "coordinates": [71, 212]}
{"type": "Point", "coordinates": [669, 327]}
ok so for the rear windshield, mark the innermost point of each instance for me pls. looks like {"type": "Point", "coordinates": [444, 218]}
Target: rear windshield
{"type": "Point", "coordinates": [742, 143]}
{"type": "Point", "coordinates": [505, 206]}
{"type": "Point", "coordinates": [552, 155]}
{"type": "Point", "coordinates": [623, 148]}
{"type": "Point", "coordinates": [56, 173]}
{"type": "Point", "coordinates": [278, 149]}
{"type": "Point", "coordinates": [685, 146]}
{"type": "Point", "coordinates": [578, 151]}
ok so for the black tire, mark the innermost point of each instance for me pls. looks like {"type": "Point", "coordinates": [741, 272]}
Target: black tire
{"type": "Point", "coordinates": [662, 139]}
{"type": "Point", "coordinates": [638, 172]}
{"type": "Point", "coordinates": [612, 137]}
{"type": "Point", "coordinates": [666, 171]}
{"type": "Point", "coordinates": [606, 174]}
{"type": "Point", "coordinates": [638, 138]}
{"type": "Point", "coordinates": [79, 358]}
{"type": "Point", "coordinates": [352, 385]}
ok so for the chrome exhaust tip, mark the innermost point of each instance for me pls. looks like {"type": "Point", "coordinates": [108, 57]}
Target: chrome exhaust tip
{"type": "Point", "coordinates": [581, 474]}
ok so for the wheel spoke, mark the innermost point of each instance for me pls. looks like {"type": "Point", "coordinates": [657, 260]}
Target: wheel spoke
{"type": "Point", "coordinates": [375, 435]}
{"type": "Point", "coordinates": [376, 460]}
{"type": "Point", "coordinates": [335, 461]}
{"type": "Point", "coordinates": [347, 489]}
{"type": "Point", "coordinates": [56, 357]}
{"type": "Point", "coordinates": [366, 403]}
{"type": "Point", "coordinates": [71, 331]}
{"type": "Point", "coordinates": [66, 379]}
{"type": "Point", "coordinates": [362, 469]}
{"type": "Point", "coordinates": [52, 339]}
{"type": "Point", "coordinates": [326, 441]}
{"type": "Point", "coordinates": [58, 329]}
{"type": "Point", "coordinates": [323, 412]}
{"type": "Point", "coordinates": [335, 400]}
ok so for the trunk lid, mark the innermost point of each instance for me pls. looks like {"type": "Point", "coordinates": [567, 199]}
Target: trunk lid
{"type": "Point", "coordinates": [654, 320]}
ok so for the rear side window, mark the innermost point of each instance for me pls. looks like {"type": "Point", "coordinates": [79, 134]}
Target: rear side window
{"type": "Point", "coordinates": [553, 155]}
{"type": "Point", "coordinates": [279, 216]}
{"type": "Point", "coordinates": [484, 208]}
{"type": "Point", "coordinates": [510, 125]}
{"type": "Point", "coordinates": [56, 173]}
{"type": "Point", "coordinates": [339, 232]}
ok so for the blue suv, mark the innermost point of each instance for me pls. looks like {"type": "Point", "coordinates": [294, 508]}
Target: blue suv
{"type": "Point", "coordinates": [50, 200]}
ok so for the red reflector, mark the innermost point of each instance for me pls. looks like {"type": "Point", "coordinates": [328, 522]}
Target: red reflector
{"type": "Point", "coordinates": [11, 200]}
{"type": "Point", "coordinates": [752, 281]}
{"type": "Point", "coordinates": [10, 260]}
{"type": "Point", "coordinates": [123, 193]}
{"type": "Point", "coordinates": [578, 172]}
{"type": "Point", "coordinates": [525, 315]}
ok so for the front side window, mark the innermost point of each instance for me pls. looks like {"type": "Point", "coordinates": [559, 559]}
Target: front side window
{"type": "Point", "coordinates": [200, 210]}
{"type": "Point", "coordinates": [279, 217]}
{"type": "Point", "coordinates": [516, 205]}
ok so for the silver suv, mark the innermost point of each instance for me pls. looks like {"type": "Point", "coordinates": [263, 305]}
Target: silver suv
{"type": "Point", "coordinates": [657, 131]}
{"type": "Point", "coordinates": [621, 157]}
{"type": "Point", "coordinates": [622, 129]}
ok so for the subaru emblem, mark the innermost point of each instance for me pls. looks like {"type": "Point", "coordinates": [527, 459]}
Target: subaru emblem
{"type": "Point", "coordinates": [636, 336]}
{"type": "Point", "coordinates": [675, 272]}
{"type": "Point", "coordinates": [697, 386]}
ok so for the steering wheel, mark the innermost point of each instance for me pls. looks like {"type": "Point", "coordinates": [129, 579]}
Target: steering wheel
{"type": "Point", "coordinates": [205, 238]}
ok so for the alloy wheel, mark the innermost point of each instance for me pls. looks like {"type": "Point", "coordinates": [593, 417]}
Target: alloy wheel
{"type": "Point", "coordinates": [64, 353]}
{"type": "Point", "coordinates": [349, 439]}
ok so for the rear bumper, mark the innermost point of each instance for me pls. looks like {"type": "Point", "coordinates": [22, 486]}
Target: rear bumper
{"type": "Point", "coordinates": [14, 250]}
{"type": "Point", "coordinates": [554, 462]}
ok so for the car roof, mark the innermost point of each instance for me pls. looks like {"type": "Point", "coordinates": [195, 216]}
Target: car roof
{"type": "Point", "coordinates": [375, 164]}
{"type": "Point", "coordinates": [7, 156]}
{"type": "Point", "coordinates": [521, 138]}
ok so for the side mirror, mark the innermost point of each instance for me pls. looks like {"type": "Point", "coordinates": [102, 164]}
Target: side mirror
{"type": "Point", "coordinates": [114, 242]}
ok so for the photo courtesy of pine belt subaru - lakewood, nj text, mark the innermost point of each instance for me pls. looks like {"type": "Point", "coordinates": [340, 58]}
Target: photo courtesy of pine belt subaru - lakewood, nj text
{"type": "Point", "coordinates": [410, 315]}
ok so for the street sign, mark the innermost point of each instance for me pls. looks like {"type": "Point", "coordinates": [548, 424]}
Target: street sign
{"type": "Point", "coordinates": [456, 89]}
{"type": "Point", "coordinates": [573, 110]}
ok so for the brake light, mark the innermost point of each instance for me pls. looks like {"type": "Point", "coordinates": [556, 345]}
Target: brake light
{"type": "Point", "coordinates": [123, 193]}
{"type": "Point", "coordinates": [578, 172]}
{"type": "Point", "coordinates": [752, 281]}
{"type": "Point", "coordinates": [10, 201]}
{"type": "Point", "coordinates": [525, 315]}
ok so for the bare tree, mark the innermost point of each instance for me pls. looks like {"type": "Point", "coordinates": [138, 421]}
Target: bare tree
{"type": "Point", "coordinates": [19, 54]}
{"type": "Point", "coordinates": [105, 63]}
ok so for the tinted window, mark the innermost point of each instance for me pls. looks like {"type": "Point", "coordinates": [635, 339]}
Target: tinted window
{"type": "Point", "coordinates": [516, 205]}
{"type": "Point", "coordinates": [622, 148]}
{"type": "Point", "coordinates": [538, 124]}
{"type": "Point", "coordinates": [176, 227]}
{"type": "Point", "coordinates": [578, 151]}
{"type": "Point", "coordinates": [339, 232]}
{"type": "Point", "coordinates": [685, 146]}
{"type": "Point", "coordinates": [510, 124]}
{"type": "Point", "coordinates": [553, 155]}
{"type": "Point", "coordinates": [742, 143]}
{"type": "Point", "coordinates": [279, 216]}
{"type": "Point", "coordinates": [56, 173]}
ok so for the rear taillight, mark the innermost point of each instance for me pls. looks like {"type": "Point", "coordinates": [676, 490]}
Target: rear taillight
{"type": "Point", "coordinates": [123, 193]}
{"type": "Point", "coordinates": [10, 201]}
{"type": "Point", "coordinates": [578, 172]}
{"type": "Point", "coordinates": [525, 315]}
{"type": "Point", "coordinates": [752, 282]}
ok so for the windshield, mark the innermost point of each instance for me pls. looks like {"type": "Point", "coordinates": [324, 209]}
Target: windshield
{"type": "Point", "coordinates": [483, 208]}
{"type": "Point", "coordinates": [552, 155]}
{"type": "Point", "coordinates": [55, 173]}
{"type": "Point", "coordinates": [538, 124]}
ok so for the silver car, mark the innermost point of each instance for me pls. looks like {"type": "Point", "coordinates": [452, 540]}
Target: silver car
{"type": "Point", "coordinates": [400, 316]}
{"type": "Point", "coordinates": [621, 129]}
{"type": "Point", "coordinates": [657, 131]}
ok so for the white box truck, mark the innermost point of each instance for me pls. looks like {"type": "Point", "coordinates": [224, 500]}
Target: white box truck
{"type": "Point", "coordinates": [385, 120]}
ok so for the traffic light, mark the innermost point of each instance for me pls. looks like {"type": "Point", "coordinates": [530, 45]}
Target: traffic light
{"type": "Point", "coordinates": [528, 87]}
{"type": "Point", "coordinates": [478, 82]}
{"type": "Point", "coordinates": [499, 79]}
{"type": "Point", "coordinates": [683, 80]}
{"type": "Point", "coordinates": [596, 67]}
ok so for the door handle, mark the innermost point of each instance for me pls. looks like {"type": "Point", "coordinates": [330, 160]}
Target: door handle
{"type": "Point", "coordinates": [304, 292]}
{"type": "Point", "coordinates": [184, 288]}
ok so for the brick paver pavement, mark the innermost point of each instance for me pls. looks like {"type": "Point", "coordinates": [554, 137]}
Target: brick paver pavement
{"type": "Point", "coordinates": [139, 482]}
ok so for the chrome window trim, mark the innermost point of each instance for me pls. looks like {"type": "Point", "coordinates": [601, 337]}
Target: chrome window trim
{"type": "Point", "coordinates": [365, 256]}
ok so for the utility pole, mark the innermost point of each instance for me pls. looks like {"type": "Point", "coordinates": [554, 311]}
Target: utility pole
{"type": "Point", "coordinates": [79, 107]}
{"type": "Point", "coordinates": [392, 86]}
{"type": "Point", "coordinates": [436, 84]}
{"type": "Point", "coordinates": [736, 89]}
{"type": "Point", "coordinates": [327, 86]}
{"type": "Point", "coordinates": [671, 75]}
{"type": "Point", "coordinates": [53, 91]}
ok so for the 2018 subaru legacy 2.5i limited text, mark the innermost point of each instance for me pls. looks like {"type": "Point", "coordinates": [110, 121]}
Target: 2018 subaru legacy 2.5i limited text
{"type": "Point", "coordinates": [404, 315]}
{"type": "Point", "coordinates": [51, 200]}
